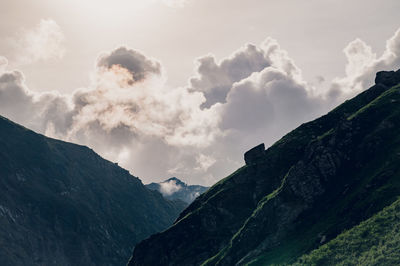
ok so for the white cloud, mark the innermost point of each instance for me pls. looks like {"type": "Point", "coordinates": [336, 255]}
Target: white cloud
{"type": "Point", "coordinates": [3, 63]}
{"type": "Point", "coordinates": [170, 187]}
{"type": "Point", "coordinates": [199, 133]}
{"type": "Point", "coordinates": [205, 162]}
{"type": "Point", "coordinates": [362, 64]}
{"type": "Point", "coordinates": [44, 42]}
{"type": "Point", "coordinates": [215, 80]}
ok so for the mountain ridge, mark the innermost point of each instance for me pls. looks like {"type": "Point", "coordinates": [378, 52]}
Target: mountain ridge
{"type": "Point", "coordinates": [62, 204]}
{"type": "Point", "coordinates": [343, 166]}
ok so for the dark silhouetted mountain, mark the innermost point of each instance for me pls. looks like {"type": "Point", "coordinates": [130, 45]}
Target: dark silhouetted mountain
{"type": "Point", "coordinates": [175, 189]}
{"type": "Point", "coordinates": [323, 178]}
{"type": "Point", "coordinates": [62, 204]}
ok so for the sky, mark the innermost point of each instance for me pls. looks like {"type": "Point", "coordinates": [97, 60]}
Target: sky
{"type": "Point", "coordinates": [183, 88]}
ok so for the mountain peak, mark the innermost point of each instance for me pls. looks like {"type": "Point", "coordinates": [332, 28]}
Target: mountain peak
{"type": "Point", "coordinates": [175, 189]}
{"type": "Point", "coordinates": [176, 180]}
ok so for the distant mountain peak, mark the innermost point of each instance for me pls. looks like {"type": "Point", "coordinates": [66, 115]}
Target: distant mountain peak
{"type": "Point", "coordinates": [175, 189]}
{"type": "Point", "coordinates": [176, 180]}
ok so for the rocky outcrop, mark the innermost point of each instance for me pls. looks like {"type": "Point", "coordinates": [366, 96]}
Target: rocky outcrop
{"type": "Point", "coordinates": [388, 78]}
{"type": "Point", "coordinates": [255, 155]}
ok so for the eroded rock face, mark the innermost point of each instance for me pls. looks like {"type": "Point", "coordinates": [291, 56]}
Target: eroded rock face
{"type": "Point", "coordinates": [255, 155]}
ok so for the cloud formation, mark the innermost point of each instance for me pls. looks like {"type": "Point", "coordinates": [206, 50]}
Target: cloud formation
{"type": "Point", "coordinates": [216, 79]}
{"type": "Point", "coordinates": [3, 63]}
{"type": "Point", "coordinates": [133, 61]}
{"type": "Point", "coordinates": [43, 42]}
{"type": "Point", "coordinates": [198, 132]}
{"type": "Point", "coordinates": [362, 64]}
{"type": "Point", "coordinates": [168, 188]}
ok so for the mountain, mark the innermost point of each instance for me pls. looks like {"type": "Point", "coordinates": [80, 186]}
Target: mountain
{"type": "Point", "coordinates": [175, 189]}
{"type": "Point", "coordinates": [323, 178]}
{"type": "Point", "coordinates": [62, 204]}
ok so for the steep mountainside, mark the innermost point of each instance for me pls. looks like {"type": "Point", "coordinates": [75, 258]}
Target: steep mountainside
{"type": "Point", "coordinates": [373, 242]}
{"type": "Point", "coordinates": [175, 189]}
{"type": "Point", "coordinates": [62, 204]}
{"type": "Point", "coordinates": [322, 178]}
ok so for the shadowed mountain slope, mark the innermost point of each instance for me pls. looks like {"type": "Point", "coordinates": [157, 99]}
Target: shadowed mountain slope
{"type": "Point", "coordinates": [62, 204]}
{"type": "Point", "coordinates": [324, 177]}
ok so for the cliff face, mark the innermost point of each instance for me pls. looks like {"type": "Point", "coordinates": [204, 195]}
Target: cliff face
{"type": "Point", "coordinates": [320, 179]}
{"type": "Point", "coordinates": [62, 204]}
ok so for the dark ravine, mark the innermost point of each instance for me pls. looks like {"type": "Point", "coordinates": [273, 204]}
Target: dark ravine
{"type": "Point", "coordinates": [180, 191]}
{"type": "Point", "coordinates": [322, 178]}
{"type": "Point", "coordinates": [62, 204]}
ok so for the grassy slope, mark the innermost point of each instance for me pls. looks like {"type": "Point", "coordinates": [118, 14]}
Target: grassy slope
{"type": "Point", "coordinates": [375, 241]}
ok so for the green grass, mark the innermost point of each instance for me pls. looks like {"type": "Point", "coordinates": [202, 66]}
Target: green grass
{"type": "Point", "coordinates": [375, 241]}
{"type": "Point", "coordinates": [327, 133]}
{"type": "Point", "coordinates": [375, 102]}
{"type": "Point", "coordinates": [264, 201]}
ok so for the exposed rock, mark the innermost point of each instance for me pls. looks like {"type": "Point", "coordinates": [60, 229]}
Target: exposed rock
{"type": "Point", "coordinates": [255, 155]}
{"type": "Point", "coordinates": [388, 78]}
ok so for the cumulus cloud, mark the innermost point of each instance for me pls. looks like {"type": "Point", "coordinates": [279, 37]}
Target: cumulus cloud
{"type": "Point", "coordinates": [267, 99]}
{"type": "Point", "coordinates": [34, 110]}
{"type": "Point", "coordinates": [362, 64]}
{"type": "Point", "coordinates": [216, 79]}
{"type": "Point", "coordinates": [138, 65]}
{"type": "Point", "coordinates": [43, 42]}
{"type": "Point", "coordinates": [199, 132]}
{"type": "Point", "coordinates": [128, 111]}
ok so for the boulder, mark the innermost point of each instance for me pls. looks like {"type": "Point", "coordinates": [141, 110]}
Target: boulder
{"type": "Point", "coordinates": [255, 154]}
{"type": "Point", "coordinates": [388, 78]}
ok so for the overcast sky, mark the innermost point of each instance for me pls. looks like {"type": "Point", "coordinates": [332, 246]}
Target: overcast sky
{"type": "Point", "coordinates": [184, 88]}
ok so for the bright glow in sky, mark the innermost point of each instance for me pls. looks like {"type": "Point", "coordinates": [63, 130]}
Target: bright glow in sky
{"type": "Point", "coordinates": [193, 119]}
